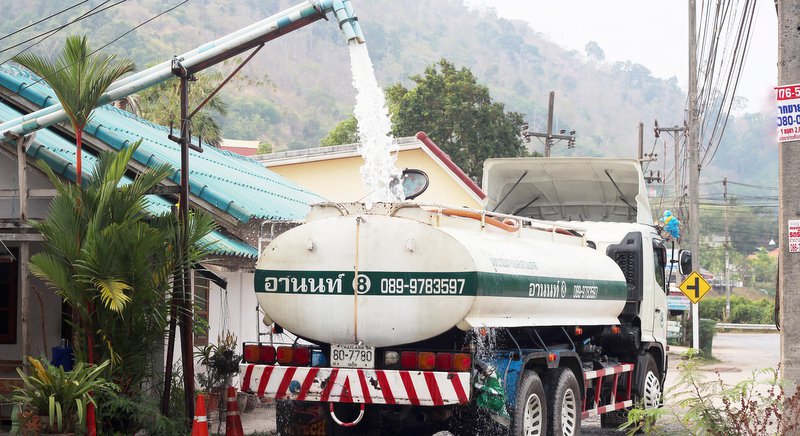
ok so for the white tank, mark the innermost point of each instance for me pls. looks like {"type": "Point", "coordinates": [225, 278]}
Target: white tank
{"type": "Point", "coordinates": [422, 271]}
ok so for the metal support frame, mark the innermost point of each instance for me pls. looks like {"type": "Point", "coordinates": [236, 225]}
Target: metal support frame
{"type": "Point", "coordinates": [598, 377]}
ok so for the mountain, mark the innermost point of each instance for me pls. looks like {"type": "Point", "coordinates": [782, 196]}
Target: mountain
{"type": "Point", "coordinates": [308, 73]}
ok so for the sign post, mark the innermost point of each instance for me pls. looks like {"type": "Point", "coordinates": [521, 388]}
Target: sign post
{"type": "Point", "coordinates": [695, 287]}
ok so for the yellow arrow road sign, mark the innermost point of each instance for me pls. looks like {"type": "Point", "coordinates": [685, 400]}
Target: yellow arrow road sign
{"type": "Point", "coordinates": [694, 287]}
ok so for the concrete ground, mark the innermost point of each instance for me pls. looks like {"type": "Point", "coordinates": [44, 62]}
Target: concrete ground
{"type": "Point", "coordinates": [739, 354]}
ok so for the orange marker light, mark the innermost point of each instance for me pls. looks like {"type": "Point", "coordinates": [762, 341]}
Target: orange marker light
{"type": "Point", "coordinates": [578, 331]}
{"type": "Point", "coordinates": [427, 361]}
{"type": "Point", "coordinates": [285, 355]}
{"type": "Point", "coordinates": [462, 362]}
{"type": "Point", "coordinates": [615, 329]}
{"type": "Point", "coordinates": [551, 357]}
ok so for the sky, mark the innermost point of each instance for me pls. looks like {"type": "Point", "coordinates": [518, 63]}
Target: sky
{"type": "Point", "coordinates": [649, 32]}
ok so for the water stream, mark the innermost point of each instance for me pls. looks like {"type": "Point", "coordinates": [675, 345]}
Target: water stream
{"type": "Point", "coordinates": [378, 147]}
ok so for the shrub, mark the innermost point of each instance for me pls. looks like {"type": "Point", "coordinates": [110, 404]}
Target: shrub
{"type": "Point", "coordinates": [756, 406]}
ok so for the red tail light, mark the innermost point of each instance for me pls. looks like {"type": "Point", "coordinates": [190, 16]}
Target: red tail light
{"type": "Point", "coordinates": [427, 361]}
{"type": "Point", "coordinates": [444, 361]}
{"type": "Point", "coordinates": [250, 353]}
{"type": "Point", "coordinates": [301, 356]}
{"type": "Point", "coordinates": [408, 360]}
{"type": "Point", "coordinates": [266, 354]}
{"type": "Point", "coordinates": [462, 362]}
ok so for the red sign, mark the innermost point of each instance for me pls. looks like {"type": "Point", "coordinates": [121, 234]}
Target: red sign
{"type": "Point", "coordinates": [794, 236]}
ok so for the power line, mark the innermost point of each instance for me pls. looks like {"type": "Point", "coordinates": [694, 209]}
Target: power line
{"type": "Point", "coordinates": [53, 31]}
{"type": "Point", "coordinates": [103, 46]}
{"type": "Point", "coordinates": [42, 20]}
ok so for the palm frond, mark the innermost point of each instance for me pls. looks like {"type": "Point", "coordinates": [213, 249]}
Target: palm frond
{"type": "Point", "coordinates": [78, 77]}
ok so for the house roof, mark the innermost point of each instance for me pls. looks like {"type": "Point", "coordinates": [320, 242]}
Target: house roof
{"type": "Point", "coordinates": [234, 184]}
{"type": "Point", "coordinates": [59, 154]}
{"type": "Point", "coordinates": [421, 140]}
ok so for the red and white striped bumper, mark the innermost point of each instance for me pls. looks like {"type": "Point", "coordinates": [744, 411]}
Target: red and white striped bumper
{"type": "Point", "coordinates": [346, 385]}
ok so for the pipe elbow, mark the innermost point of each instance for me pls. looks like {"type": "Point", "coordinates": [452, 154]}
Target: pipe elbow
{"type": "Point", "coordinates": [348, 22]}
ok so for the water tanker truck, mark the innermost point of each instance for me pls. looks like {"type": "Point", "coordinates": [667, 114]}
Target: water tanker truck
{"type": "Point", "coordinates": [546, 308]}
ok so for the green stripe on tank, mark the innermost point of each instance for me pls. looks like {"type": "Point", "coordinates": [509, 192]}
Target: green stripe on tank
{"type": "Point", "coordinates": [485, 284]}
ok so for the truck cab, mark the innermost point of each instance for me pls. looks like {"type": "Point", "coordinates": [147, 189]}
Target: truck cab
{"type": "Point", "coordinates": [608, 198]}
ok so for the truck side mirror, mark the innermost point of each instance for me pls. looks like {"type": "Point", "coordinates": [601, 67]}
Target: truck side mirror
{"type": "Point", "coordinates": [685, 262]}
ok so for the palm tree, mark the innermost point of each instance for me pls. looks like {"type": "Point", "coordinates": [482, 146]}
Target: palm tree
{"type": "Point", "coordinates": [111, 255]}
{"type": "Point", "coordinates": [79, 77]}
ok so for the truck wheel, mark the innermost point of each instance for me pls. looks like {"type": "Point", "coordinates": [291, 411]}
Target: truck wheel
{"type": "Point", "coordinates": [529, 417]}
{"type": "Point", "coordinates": [563, 403]}
{"type": "Point", "coordinates": [650, 388]}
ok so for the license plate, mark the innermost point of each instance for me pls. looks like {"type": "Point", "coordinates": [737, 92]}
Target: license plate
{"type": "Point", "coordinates": [352, 356]}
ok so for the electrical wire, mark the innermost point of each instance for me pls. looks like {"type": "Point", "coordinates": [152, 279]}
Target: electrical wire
{"type": "Point", "coordinates": [42, 20]}
{"type": "Point", "coordinates": [101, 47]}
{"type": "Point", "coordinates": [53, 31]}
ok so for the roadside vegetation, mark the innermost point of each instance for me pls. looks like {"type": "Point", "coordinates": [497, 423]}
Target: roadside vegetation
{"type": "Point", "coordinates": [700, 404]}
{"type": "Point", "coordinates": [113, 262]}
{"type": "Point", "coordinates": [743, 310]}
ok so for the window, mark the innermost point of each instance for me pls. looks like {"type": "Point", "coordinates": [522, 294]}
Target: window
{"type": "Point", "coordinates": [201, 288]}
{"type": "Point", "coordinates": [8, 298]}
{"type": "Point", "coordinates": [660, 263]}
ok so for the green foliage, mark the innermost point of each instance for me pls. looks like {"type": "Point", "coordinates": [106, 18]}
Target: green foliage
{"type": "Point", "coordinates": [78, 77]}
{"type": "Point", "coordinates": [113, 264]}
{"type": "Point", "coordinates": [219, 361]}
{"type": "Point", "coordinates": [743, 310]}
{"type": "Point", "coordinates": [346, 132]}
{"type": "Point", "coordinates": [756, 406]}
{"type": "Point", "coordinates": [264, 148]}
{"type": "Point", "coordinates": [458, 114]}
{"type": "Point", "coordinates": [62, 396]}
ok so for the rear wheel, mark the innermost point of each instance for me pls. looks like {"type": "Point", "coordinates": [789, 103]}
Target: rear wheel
{"type": "Point", "coordinates": [529, 417]}
{"type": "Point", "coordinates": [563, 403]}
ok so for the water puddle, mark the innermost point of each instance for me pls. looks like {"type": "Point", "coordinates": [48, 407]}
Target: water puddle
{"type": "Point", "coordinates": [378, 147]}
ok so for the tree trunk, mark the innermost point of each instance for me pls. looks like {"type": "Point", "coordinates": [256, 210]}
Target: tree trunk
{"type": "Point", "coordinates": [78, 143]}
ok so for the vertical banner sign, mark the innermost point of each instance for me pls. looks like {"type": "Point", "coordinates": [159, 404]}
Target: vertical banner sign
{"type": "Point", "coordinates": [788, 99]}
{"type": "Point", "coordinates": [794, 236]}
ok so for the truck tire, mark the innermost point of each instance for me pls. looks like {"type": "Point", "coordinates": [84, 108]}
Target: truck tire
{"type": "Point", "coordinates": [650, 389]}
{"type": "Point", "coordinates": [563, 403]}
{"type": "Point", "coordinates": [529, 417]}
{"type": "Point", "coordinates": [648, 392]}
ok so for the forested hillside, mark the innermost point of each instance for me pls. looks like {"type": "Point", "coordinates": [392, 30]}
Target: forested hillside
{"type": "Point", "coordinates": [308, 72]}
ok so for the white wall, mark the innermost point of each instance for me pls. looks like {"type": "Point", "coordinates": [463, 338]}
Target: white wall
{"type": "Point", "coordinates": [42, 337]}
{"type": "Point", "coordinates": [233, 310]}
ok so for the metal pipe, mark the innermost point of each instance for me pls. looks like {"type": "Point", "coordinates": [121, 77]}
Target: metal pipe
{"type": "Point", "coordinates": [204, 56]}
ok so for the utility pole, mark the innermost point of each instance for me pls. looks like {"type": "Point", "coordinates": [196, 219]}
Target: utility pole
{"type": "Point", "coordinates": [548, 144]}
{"type": "Point", "coordinates": [727, 254]}
{"type": "Point", "coordinates": [650, 157]}
{"type": "Point", "coordinates": [641, 143]}
{"type": "Point", "coordinates": [548, 137]}
{"type": "Point", "coordinates": [676, 133]}
{"type": "Point", "coordinates": [789, 155]}
{"type": "Point", "coordinates": [694, 164]}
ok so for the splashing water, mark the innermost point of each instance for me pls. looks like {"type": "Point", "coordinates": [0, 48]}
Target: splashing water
{"type": "Point", "coordinates": [377, 147]}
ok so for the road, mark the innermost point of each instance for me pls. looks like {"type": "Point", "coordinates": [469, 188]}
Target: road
{"type": "Point", "coordinates": [739, 355]}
